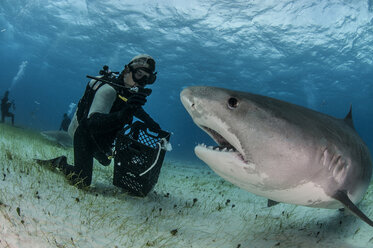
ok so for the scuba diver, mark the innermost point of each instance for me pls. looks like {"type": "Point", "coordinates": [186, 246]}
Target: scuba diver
{"type": "Point", "coordinates": [65, 122]}
{"type": "Point", "coordinates": [105, 108]}
{"type": "Point", "coordinates": [5, 106]}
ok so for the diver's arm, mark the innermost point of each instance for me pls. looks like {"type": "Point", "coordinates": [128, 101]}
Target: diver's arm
{"type": "Point", "coordinates": [102, 123]}
{"type": "Point", "coordinates": [100, 120]}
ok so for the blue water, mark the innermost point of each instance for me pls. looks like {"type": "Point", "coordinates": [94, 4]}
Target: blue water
{"type": "Point", "coordinates": [318, 54]}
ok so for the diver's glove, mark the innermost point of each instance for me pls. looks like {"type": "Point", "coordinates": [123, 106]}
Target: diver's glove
{"type": "Point", "coordinates": [136, 101]}
{"type": "Point", "coordinates": [153, 126]}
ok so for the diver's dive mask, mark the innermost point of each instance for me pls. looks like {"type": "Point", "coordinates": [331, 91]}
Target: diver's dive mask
{"type": "Point", "coordinates": [143, 73]}
{"type": "Point", "coordinates": [143, 76]}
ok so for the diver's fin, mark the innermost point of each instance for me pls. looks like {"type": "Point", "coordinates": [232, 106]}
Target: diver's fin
{"type": "Point", "coordinates": [348, 118]}
{"type": "Point", "coordinates": [343, 198]}
{"type": "Point", "coordinates": [271, 203]}
{"type": "Point", "coordinates": [58, 162]}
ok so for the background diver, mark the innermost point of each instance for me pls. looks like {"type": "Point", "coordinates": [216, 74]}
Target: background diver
{"type": "Point", "coordinates": [5, 106]}
{"type": "Point", "coordinates": [65, 122]}
{"type": "Point", "coordinates": [102, 112]}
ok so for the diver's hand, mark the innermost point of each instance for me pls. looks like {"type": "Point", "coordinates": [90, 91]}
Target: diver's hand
{"type": "Point", "coordinates": [133, 103]}
{"type": "Point", "coordinates": [137, 100]}
{"type": "Point", "coordinates": [153, 126]}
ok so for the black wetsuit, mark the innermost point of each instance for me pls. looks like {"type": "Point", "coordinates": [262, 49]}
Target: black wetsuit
{"type": "Point", "coordinates": [5, 106]}
{"type": "Point", "coordinates": [94, 136]}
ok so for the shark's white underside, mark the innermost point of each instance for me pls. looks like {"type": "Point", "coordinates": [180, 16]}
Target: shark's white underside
{"type": "Point", "coordinates": [231, 167]}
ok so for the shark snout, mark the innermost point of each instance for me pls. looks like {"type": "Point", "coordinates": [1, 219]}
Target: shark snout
{"type": "Point", "coordinates": [195, 104]}
{"type": "Point", "coordinates": [187, 99]}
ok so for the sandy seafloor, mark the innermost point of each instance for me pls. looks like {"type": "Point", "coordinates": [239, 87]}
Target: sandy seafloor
{"type": "Point", "coordinates": [189, 207]}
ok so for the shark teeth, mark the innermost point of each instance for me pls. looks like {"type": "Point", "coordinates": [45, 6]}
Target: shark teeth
{"type": "Point", "coordinates": [217, 148]}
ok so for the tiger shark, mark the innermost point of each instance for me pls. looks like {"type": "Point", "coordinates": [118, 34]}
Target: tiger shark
{"type": "Point", "coordinates": [60, 137]}
{"type": "Point", "coordinates": [281, 151]}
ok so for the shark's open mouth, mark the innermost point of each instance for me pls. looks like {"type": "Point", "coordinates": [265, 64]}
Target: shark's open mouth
{"type": "Point", "coordinates": [223, 144]}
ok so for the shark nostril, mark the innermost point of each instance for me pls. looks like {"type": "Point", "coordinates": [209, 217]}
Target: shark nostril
{"type": "Point", "coordinates": [192, 105]}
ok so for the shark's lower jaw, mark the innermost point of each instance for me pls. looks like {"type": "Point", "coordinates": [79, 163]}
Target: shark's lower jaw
{"type": "Point", "coordinates": [221, 150]}
{"type": "Point", "coordinates": [223, 145]}
{"type": "Point", "coordinates": [216, 155]}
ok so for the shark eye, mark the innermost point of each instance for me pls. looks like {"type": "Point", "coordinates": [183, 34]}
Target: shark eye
{"type": "Point", "coordinates": [232, 103]}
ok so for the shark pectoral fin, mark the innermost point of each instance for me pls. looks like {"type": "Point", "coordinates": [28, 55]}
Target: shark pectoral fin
{"type": "Point", "coordinates": [343, 198]}
{"type": "Point", "coordinates": [271, 203]}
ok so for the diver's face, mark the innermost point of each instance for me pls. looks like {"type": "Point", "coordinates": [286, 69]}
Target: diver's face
{"type": "Point", "coordinates": [128, 81]}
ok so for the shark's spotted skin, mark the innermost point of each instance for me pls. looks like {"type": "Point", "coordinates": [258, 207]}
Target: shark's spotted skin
{"type": "Point", "coordinates": [279, 150]}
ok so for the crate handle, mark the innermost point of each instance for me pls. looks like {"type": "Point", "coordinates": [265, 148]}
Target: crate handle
{"type": "Point", "coordinates": [155, 161]}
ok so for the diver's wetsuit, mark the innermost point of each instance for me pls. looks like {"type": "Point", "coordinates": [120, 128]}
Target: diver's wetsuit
{"type": "Point", "coordinates": [5, 106]}
{"type": "Point", "coordinates": [94, 136]}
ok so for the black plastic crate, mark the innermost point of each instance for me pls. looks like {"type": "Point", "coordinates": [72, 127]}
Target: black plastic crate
{"type": "Point", "coordinates": [138, 158]}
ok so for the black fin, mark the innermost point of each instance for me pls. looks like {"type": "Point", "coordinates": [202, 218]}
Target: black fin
{"type": "Point", "coordinates": [58, 162]}
{"type": "Point", "coordinates": [271, 203]}
{"type": "Point", "coordinates": [348, 118]}
{"type": "Point", "coordinates": [343, 198]}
